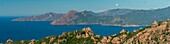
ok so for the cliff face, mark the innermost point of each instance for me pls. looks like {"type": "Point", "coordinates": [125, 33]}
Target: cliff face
{"type": "Point", "coordinates": [66, 18]}
{"type": "Point", "coordinates": [157, 33]}
{"type": "Point", "coordinates": [74, 17]}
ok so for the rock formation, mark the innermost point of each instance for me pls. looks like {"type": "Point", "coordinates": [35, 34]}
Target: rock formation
{"type": "Point", "coordinates": [154, 24]}
{"type": "Point", "coordinates": [9, 41]}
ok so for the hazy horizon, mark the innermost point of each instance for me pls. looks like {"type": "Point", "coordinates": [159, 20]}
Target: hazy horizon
{"type": "Point", "coordinates": [37, 7]}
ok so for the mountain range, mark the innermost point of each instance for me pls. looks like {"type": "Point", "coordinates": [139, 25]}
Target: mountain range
{"type": "Point", "coordinates": [111, 17]}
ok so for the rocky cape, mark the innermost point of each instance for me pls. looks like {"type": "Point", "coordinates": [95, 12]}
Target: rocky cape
{"type": "Point", "coordinates": [49, 16]}
{"type": "Point", "coordinates": [157, 33]}
{"type": "Point", "coordinates": [113, 16]}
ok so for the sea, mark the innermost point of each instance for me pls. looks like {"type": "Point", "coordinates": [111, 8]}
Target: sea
{"type": "Point", "coordinates": [37, 30]}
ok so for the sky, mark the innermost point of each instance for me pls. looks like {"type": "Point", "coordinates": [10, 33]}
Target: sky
{"type": "Point", "coordinates": [37, 7]}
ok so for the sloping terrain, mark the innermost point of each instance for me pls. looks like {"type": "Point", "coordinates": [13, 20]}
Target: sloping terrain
{"type": "Point", "coordinates": [113, 16]}
{"type": "Point", "coordinates": [50, 16]}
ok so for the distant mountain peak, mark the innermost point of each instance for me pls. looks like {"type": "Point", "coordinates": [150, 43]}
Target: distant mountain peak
{"type": "Point", "coordinates": [72, 12]}
{"type": "Point", "coordinates": [88, 11]}
{"type": "Point", "coordinates": [50, 13]}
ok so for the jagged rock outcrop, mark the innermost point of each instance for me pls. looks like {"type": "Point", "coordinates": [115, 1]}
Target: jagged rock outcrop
{"type": "Point", "coordinates": [154, 35]}
{"type": "Point", "coordinates": [9, 41]}
{"type": "Point", "coordinates": [32, 41]}
{"type": "Point", "coordinates": [154, 24]}
{"type": "Point", "coordinates": [123, 30]}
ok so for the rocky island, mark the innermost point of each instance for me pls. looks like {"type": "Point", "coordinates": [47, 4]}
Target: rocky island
{"type": "Point", "coordinates": [157, 33]}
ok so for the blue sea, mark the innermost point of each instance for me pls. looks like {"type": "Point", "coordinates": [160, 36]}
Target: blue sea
{"type": "Point", "coordinates": [38, 30]}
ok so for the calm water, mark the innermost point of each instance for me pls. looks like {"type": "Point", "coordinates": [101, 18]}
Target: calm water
{"type": "Point", "coordinates": [37, 30]}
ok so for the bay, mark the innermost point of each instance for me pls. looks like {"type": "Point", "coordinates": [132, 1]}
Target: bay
{"type": "Point", "coordinates": [38, 30]}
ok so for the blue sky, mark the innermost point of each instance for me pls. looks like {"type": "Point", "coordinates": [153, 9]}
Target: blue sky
{"type": "Point", "coordinates": [37, 7]}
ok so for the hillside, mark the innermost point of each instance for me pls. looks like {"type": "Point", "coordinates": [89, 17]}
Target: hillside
{"type": "Point", "coordinates": [147, 16]}
{"type": "Point", "coordinates": [83, 17]}
{"type": "Point", "coordinates": [50, 16]}
{"type": "Point", "coordinates": [111, 17]}
{"type": "Point", "coordinates": [115, 12]}
{"type": "Point", "coordinates": [140, 17]}
{"type": "Point", "coordinates": [157, 33]}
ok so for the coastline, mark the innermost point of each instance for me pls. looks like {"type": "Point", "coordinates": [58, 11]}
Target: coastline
{"type": "Point", "coordinates": [89, 24]}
